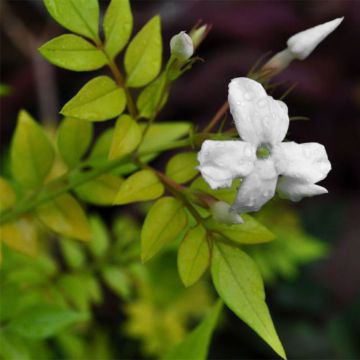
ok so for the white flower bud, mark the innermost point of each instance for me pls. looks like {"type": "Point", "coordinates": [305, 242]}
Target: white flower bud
{"type": "Point", "coordinates": [181, 46]}
{"type": "Point", "coordinates": [303, 43]}
{"type": "Point", "coordinates": [221, 212]}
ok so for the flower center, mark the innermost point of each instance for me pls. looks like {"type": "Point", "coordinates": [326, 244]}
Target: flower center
{"type": "Point", "coordinates": [263, 151]}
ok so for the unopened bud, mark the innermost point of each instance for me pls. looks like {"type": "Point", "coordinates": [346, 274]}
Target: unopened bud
{"type": "Point", "coordinates": [197, 35]}
{"type": "Point", "coordinates": [181, 46]}
{"type": "Point", "coordinates": [221, 212]}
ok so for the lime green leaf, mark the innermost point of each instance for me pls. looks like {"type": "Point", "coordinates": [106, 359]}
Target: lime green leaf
{"type": "Point", "coordinates": [238, 282]}
{"type": "Point", "coordinates": [163, 134]}
{"type": "Point", "coordinates": [250, 232]}
{"type": "Point", "coordinates": [228, 195]}
{"type": "Point", "coordinates": [32, 154]}
{"type": "Point", "coordinates": [20, 235]}
{"type": "Point", "coordinates": [141, 186]}
{"type": "Point", "coordinates": [5, 90]}
{"type": "Point", "coordinates": [7, 195]}
{"type": "Point", "coordinates": [73, 253]}
{"type": "Point", "coordinates": [196, 344]}
{"type": "Point", "coordinates": [118, 23]}
{"type": "Point", "coordinates": [98, 100]}
{"type": "Point", "coordinates": [143, 55]}
{"type": "Point", "coordinates": [100, 239]}
{"type": "Point", "coordinates": [164, 222]}
{"type": "Point", "coordinates": [100, 151]}
{"type": "Point", "coordinates": [182, 167]}
{"type": "Point", "coordinates": [41, 321]}
{"type": "Point", "coordinates": [65, 216]}
{"type": "Point", "coordinates": [78, 16]}
{"type": "Point", "coordinates": [126, 138]}
{"type": "Point", "coordinates": [72, 52]}
{"type": "Point", "coordinates": [73, 139]}
{"type": "Point", "coordinates": [117, 280]}
{"type": "Point", "coordinates": [101, 190]}
{"type": "Point", "coordinates": [193, 255]}
{"type": "Point", "coordinates": [12, 347]}
{"type": "Point", "coordinates": [153, 97]}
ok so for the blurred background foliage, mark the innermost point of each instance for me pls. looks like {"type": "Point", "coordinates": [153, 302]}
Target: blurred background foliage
{"type": "Point", "coordinates": [111, 306]}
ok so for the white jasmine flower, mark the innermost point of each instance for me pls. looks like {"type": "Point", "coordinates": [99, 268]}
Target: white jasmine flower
{"type": "Point", "coordinates": [301, 45]}
{"type": "Point", "coordinates": [181, 46]}
{"type": "Point", "coordinates": [261, 157]}
{"type": "Point", "coordinates": [221, 211]}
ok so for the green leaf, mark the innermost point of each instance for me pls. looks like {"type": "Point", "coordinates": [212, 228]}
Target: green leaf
{"type": "Point", "coordinates": [193, 255]}
{"type": "Point", "coordinates": [163, 134]}
{"type": "Point", "coordinates": [73, 139]}
{"type": "Point", "coordinates": [196, 344]}
{"type": "Point", "coordinates": [101, 190]}
{"type": "Point", "coordinates": [238, 282]}
{"type": "Point", "coordinates": [65, 216]}
{"type": "Point", "coordinates": [164, 222]}
{"type": "Point", "coordinates": [78, 16]}
{"type": "Point", "coordinates": [98, 100]}
{"type": "Point", "coordinates": [41, 321]}
{"type": "Point", "coordinates": [143, 55]}
{"type": "Point", "coordinates": [182, 167]}
{"type": "Point", "coordinates": [73, 253]}
{"type": "Point", "coordinates": [141, 186]}
{"type": "Point", "coordinates": [72, 52]}
{"type": "Point", "coordinates": [117, 280]}
{"type": "Point", "coordinates": [126, 138]}
{"type": "Point", "coordinates": [250, 232]}
{"type": "Point", "coordinates": [228, 195]}
{"type": "Point", "coordinates": [100, 239]}
{"type": "Point", "coordinates": [12, 347]}
{"type": "Point", "coordinates": [118, 23]}
{"type": "Point", "coordinates": [153, 97]}
{"type": "Point", "coordinates": [7, 195]}
{"type": "Point", "coordinates": [32, 154]}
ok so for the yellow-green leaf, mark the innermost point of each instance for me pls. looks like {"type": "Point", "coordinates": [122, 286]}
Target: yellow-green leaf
{"type": "Point", "coordinates": [164, 222]}
{"type": "Point", "coordinates": [182, 167]}
{"type": "Point", "coordinates": [143, 55]}
{"type": "Point", "coordinates": [144, 185]}
{"type": "Point", "coordinates": [193, 255]}
{"type": "Point", "coordinates": [98, 100]}
{"type": "Point", "coordinates": [73, 139]}
{"type": "Point", "coordinates": [100, 239]}
{"type": "Point", "coordinates": [100, 191]}
{"type": "Point", "coordinates": [73, 252]}
{"type": "Point", "coordinates": [117, 280]}
{"type": "Point", "coordinates": [72, 52]}
{"type": "Point", "coordinates": [250, 232]}
{"type": "Point", "coordinates": [78, 16]}
{"type": "Point", "coordinates": [118, 23]}
{"type": "Point", "coordinates": [32, 154]}
{"type": "Point", "coordinates": [20, 235]}
{"type": "Point", "coordinates": [65, 216]}
{"type": "Point", "coordinates": [126, 138]}
{"type": "Point", "coordinates": [7, 195]}
{"type": "Point", "coordinates": [239, 283]}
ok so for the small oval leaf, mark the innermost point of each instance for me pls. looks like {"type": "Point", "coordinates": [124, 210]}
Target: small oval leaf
{"type": "Point", "coordinates": [164, 222]}
{"type": "Point", "coordinates": [32, 154]}
{"type": "Point", "coordinates": [73, 139]}
{"type": "Point", "coordinates": [118, 23]}
{"type": "Point", "coordinates": [127, 136]}
{"type": "Point", "coordinates": [182, 167]}
{"type": "Point", "coordinates": [7, 195]}
{"type": "Point", "coordinates": [65, 216]}
{"type": "Point", "coordinates": [74, 53]}
{"type": "Point", "coordinates": [144, 185]}
{"type": "Point", "coordinates": [143, 55]}
{"type": "Point", "coordinates": [193, 255]}
{"type": "Point", "coordinates": [98, 100]}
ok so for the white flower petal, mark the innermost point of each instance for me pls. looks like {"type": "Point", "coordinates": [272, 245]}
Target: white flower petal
{"type": "Point", "coordinates": [221, 212]}
{"type": "Point", "coordinates": [259, 118]}
{"type": "Point", "coordinates": [223, 161]}
{"type": "Point", "coordinates": [295, 189]}
{"type": "Point", "coordinates": [304, 42]}
{"type": "Point", "coordinates": [307, 162]}
{"type": "Point", "coordinates": [257, 188]}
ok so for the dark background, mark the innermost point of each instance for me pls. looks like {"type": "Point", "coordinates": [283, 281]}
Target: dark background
{"type": "Point", "coordinates": [318, 316]}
